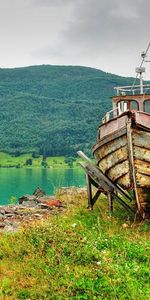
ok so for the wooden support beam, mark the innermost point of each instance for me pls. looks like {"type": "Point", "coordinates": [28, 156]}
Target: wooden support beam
{"type": "Point", "coordinates": [101, 179]}
{"type": "Point", "coordinates": [91, 199]}
{"type": "Point", "coordinates": [89, 191]}
{"type": "Point", "coordinates": [123, 203]}
{"type": "Point", "coordinates": [94, 199]}
{"type": "Point", "coordinates": [110, 202]}
{"type": "Point", "coordinates": [103, 184]}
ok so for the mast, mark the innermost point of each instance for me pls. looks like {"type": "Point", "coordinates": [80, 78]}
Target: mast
{"type": "Point", "coordinates": [140, 70]}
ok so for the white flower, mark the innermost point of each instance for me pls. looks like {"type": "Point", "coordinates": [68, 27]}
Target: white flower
{"type": "Point", "coordinates": [74, 225]}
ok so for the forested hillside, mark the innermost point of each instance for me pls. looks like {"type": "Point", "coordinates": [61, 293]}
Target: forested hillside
{"type": "Point", "coordinates": [53, 110]}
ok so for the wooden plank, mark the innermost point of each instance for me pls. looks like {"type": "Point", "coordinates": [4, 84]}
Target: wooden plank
{"type": "Point", "coordinates": [142, 167]}
{"type": "Point", "coordinates": [110, 202]}
{"type": "Point", "coordinates": [143, 120]}
{"type": "Point", "coordinates": [113, 158]}
{"type": "Point", "coordinates": [124, 181]}
{"type": "Point", "coordinates": [141, 139]}
{"type": "Point", "coordinates": [123, 203]}
{"type": "Point", "coordinates": [132, 170]}
{"type": "Point", "coordinates": [119, 170]}
{"type": "Point", "coordinates": [142, 153]}
{"type": "Point", "coordinates": [112, 126]}
{"type": "Point", "coordinates": [110, 138]}
{"type": "Point", "coordinates": [96, 196]}
{"type": "Point", "coordinates": [143, 180]}
{"type": "Point", "coordinates": [102, 180]}
{"type": "Point", "coordinates": [89, 191]}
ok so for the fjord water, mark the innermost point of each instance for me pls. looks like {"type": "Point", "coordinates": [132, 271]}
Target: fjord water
{"type": "Point", "coordinates": [17, 182]}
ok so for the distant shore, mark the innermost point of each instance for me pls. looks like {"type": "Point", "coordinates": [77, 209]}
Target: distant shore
{"type": "Point", "coordinates": [30, 160]}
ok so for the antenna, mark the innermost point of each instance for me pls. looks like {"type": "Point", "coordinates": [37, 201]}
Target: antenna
{"type": "Point", "coordinates": [140, 70]}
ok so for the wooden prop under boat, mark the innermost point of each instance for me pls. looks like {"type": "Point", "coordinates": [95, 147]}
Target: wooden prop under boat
{"type": "Point", "coordinates": [122, 149]}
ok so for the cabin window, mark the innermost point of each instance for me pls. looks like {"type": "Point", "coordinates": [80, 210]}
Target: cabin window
{"type": "Point", "coordinates": [147, 106]}
{"type": "Point", "coordinates": [127, 105]}
{"type": "Point", "coordinates": [122, 106]}
{"type": "Point", "coordinates": [134, 105]}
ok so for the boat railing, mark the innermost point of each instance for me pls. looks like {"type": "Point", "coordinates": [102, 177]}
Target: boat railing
{"type": "Point", "coordinates": [110, 114]}
{"type": "Point", "coordinates": [132, 90]}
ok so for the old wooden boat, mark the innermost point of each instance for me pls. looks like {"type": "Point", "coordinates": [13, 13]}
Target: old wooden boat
{"type": "Point", "coordinates": [122, 149]}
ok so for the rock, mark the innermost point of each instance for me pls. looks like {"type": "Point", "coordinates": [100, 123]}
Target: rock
{"type": "Point", "coordinates": [56, 203]}
{"type": "Point", "coordinates": [19, 213]}
{"type": "Point", "coordinates": [2, 224]}
{"type": "Point", "coordinates": [7, 222]}
{"type": "Point", "coordinates": [29, 208]}
{"type": "Point", "coordinates": [29, 203]}
{"type": "Point", "coordinates": [38, 216]}
{"type": "Point", "coordinates": [43, 205]}
{"type": "Point", "coordinates": [2, 211]}
{"type": "Point", "coordinates": [2, 216]}
{"type": "Point", "coordinates": [50, 201]}
{"type": "Point", "coordinates": [39, 192]}
{"type": "Point", "coordinates": [45, 198]}
{"type": "Point", "coordinates": [27, 198]}
{"type": "Point", "coordinates": [9, 215]}
{"type": "Point", "coordinates": [8, 210]}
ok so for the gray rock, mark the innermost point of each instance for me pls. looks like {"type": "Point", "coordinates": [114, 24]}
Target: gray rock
{"type": "Point", "coordinates": [38, 216]}
{"type": "Point", "coordinates": [26, 198]}
{"type": "Point", "coordinates": [39, 192]}
{"type": "Point", "coordinates": [2, 216]}
{"type": "Point", "coordinates": [2, 224]}
{"type": "Point", "coordinates": [8, 210]}
{"type": "Point", "coordinates": [8, 222]}
{"type": "Point", "coordinates": [30, 203]}
{"type": "Point", "coordinates": [10, 215]}
{"type": "Point", "coordinates": [43, 205]}
{"type": "Point", "coordinates": [45, 198]}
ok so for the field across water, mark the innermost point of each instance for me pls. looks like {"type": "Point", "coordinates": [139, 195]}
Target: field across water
{"type": "Point", "coordinates": [30, 160]}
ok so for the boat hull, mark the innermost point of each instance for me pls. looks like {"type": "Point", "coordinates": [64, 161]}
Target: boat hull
{"type": "Point", "coordinates": [124, 156]}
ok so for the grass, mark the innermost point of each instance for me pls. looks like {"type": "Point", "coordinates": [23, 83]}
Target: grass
{"type": "Point", "coordinates": [10, 161]}
{"type": "Point", "coordinates": [77, 255]}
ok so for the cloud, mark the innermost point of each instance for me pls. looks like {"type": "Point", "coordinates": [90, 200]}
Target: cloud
{"type": "Point", "coordinates": [107, 30]}
{"type": "Point", "coordinates": [106, 34]}
{"type": "Point", "coordinates": [50, 2]}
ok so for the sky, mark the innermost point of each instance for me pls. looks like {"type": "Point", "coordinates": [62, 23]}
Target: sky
{"type": "Point", "coordinates": [104, 34]}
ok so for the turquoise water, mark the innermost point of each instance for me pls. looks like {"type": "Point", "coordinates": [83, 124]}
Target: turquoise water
{"type": "Point", "coordinates": [17, 182]}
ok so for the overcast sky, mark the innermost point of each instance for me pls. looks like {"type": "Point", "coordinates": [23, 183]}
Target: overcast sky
{"type": "Point", "coordinates": [104, 34]}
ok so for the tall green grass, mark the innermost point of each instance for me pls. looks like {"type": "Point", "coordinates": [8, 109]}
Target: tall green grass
{"type": "Point", "coordinates": [78, 255]}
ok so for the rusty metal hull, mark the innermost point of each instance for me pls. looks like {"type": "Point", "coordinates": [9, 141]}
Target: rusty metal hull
{"type": "Point", "coordinates": [124, 156]}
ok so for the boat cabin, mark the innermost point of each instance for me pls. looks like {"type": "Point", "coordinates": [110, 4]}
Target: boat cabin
{"type": "Point", "coordinates": [125, 104]}
{"type": "Point", "coordinates": [129, 99]}
{"type": "Point", "coordinates": [132, 102]}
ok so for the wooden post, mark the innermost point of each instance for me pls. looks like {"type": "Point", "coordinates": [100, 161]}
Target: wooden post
{"type": "Point", "coordinates": [110, 202]}
{"type": "Point", "coordinates": [89, 191]}
{"type": "Point", "coordinates": [94, 199]}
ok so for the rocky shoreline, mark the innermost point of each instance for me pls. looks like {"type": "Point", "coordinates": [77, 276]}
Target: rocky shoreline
{"type": "Point", "coordinates": [29, 208]}
{"type": "Point", "coordinates": [37, 207]}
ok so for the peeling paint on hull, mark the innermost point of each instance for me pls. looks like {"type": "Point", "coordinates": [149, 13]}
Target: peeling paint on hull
{"type": "Point", "coordinates": [127, 161]}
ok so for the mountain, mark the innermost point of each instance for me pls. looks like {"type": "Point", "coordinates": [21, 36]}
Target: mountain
{"type": "Point", "coordinates": [53, 110]}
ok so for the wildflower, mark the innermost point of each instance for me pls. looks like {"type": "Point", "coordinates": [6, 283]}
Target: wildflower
{"type": "Point", "coordinates": [74, 225]}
